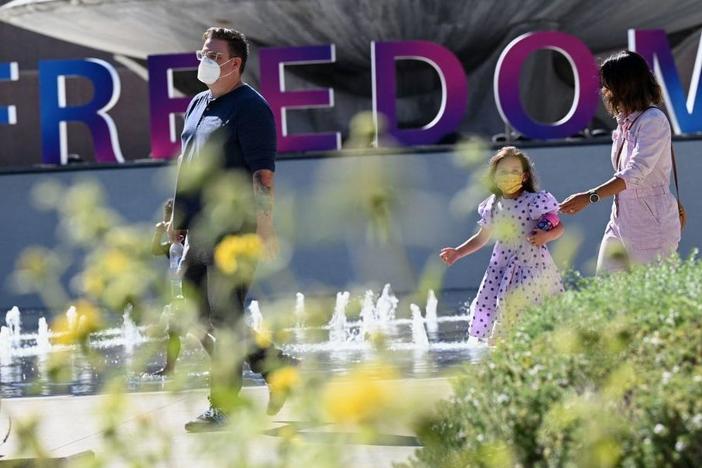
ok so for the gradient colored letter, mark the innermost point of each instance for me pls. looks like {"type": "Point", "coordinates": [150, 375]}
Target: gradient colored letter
{"type": "Point", "coordinates": [273, 61]}
{"type": "Point", "coordinates": [586, 75]}
{"type": "Point", "coordinates": [164, 105]}
{"type": "Point", "coordinates": [9, 72]}
{"type": "Point", "coordinates": [454, 89]}
{"type": "Point", "coordinates": [685, 114]}
{"type": "Point", "coordinates": [55, 113]}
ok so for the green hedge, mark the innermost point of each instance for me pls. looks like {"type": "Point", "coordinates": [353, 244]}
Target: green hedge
{"type": "Point", "coordinates": [609, 374]}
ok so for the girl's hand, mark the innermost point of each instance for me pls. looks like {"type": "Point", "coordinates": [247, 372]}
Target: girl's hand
{"type": "Point", "coordinates": [538, 237]}
{"type": "Point", "coordinates": [449, 255]}
{"type": "Point", "coordinates": [574, 203]}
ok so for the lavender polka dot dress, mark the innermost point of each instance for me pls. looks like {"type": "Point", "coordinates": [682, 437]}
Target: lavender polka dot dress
{"type": "Point", "coordinates": [519, 274]}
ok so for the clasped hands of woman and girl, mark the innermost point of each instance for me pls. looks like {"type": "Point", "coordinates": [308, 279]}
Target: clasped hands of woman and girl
{"type": "Point", "coordinates": [644, 224]}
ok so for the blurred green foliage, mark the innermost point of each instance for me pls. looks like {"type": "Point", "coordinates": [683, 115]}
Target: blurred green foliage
{"type": "Point", "coordinates": [609, 374]}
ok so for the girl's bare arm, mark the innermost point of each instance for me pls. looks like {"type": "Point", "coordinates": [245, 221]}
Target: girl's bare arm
{"type": "Point", "coordinates": [475, 243]}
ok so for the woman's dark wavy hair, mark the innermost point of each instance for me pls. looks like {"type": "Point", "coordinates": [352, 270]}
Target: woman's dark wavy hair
{"type": "Point", "coordinates": [630, 83]}
{"type": "Point", "coordinates": [530, 185]}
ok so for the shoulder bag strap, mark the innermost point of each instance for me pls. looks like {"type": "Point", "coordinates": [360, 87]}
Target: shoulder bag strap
{"type": "Point", "coordinates": [675, 173]}
{"type": "Point", "coordinates": [672, 156]}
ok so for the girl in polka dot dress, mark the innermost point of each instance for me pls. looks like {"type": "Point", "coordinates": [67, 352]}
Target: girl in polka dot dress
{"type": "Point", "coordinates": [521, 271]}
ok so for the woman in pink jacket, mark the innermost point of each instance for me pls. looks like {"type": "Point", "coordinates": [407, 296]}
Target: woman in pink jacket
{"type": "Point", "coordinates": [644, 224]}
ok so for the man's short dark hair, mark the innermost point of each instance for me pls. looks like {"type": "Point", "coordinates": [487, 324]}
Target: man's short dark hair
{"type": "Point", "coordinates": [238, 45]}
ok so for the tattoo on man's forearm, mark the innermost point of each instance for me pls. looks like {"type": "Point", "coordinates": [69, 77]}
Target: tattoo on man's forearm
{"type": "Point", "coordinates": [263, 193]}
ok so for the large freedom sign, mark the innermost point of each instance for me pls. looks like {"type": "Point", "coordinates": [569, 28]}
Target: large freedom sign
{"type": "Point", "coordinates": [165, 105]}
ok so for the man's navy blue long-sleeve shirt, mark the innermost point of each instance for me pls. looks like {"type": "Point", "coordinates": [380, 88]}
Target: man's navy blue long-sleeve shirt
{"type": "Point", "coordinates": [237, 127]}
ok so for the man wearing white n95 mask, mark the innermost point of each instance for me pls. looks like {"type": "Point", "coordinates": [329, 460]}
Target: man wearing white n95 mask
{"type": "Point", "coordinates": [231, 127]}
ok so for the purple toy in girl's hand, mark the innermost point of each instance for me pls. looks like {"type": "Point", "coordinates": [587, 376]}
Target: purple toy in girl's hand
{"type": "Point", "coordinates": [548, 221]}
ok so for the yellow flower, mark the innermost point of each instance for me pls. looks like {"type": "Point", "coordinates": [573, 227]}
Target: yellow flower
{"type": "Point", "coordinates": [283, 380]}
{"type": "Point", "coordinates": [364, 397]}
{"type": "Point", "coordinates": [89, 321]}
{"type": "Point", "coordinates": [89, 317]}
{"type": "Point", "coordinates": [225, 258]}
{"type": "Point", "coordinates": [263, 337]}
{"type": "Point", "coordinates": [115, 262]}
{"type": "Point", "coordinates": [252, 245]}
{"type": "Point", "coordinates": [233, 249]}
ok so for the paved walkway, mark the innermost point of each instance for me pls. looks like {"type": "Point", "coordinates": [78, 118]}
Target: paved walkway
{"type": "Point", "coordinates": [69, 425]}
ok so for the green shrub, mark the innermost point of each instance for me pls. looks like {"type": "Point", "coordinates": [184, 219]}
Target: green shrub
{"type": "Point", "coordinates": [608, 375]}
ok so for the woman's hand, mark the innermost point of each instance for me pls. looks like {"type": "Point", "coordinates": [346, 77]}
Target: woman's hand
{"type": "Point", "coordinates": [574, 203]}
{"type": "Point", "coordinates": [449, 255]}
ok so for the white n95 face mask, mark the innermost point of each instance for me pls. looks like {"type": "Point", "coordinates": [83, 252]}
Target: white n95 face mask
{"type": "Point", "coordinates": [209, 71]}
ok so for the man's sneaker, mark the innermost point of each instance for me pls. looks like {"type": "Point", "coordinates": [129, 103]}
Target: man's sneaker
{"type": "Point", "coordinates": [165, 371]}
{"type": "Point", "coordinates": [213, 419]}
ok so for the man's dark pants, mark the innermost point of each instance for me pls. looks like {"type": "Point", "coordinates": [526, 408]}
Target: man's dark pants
{"type": "Point", "coordinates": [222, 309]}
